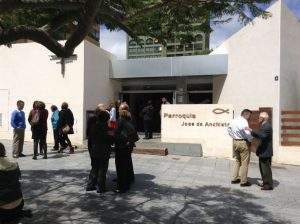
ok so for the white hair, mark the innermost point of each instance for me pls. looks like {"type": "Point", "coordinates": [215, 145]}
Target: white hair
{"type": "Point", "coordinates": [101, 106]}
{"type": "Point", "coordinates": [264, 115]}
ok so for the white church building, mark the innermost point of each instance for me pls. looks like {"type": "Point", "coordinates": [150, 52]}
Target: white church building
{"type": "Point", "coordinates": [258, 67]}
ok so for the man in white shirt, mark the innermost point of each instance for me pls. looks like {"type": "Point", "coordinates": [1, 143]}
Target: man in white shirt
{"type": "Point", "coordinates": [241, 152]}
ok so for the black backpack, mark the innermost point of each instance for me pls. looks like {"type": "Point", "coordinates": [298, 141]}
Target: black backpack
{"type": "Point", "coordinates": [129, 133]}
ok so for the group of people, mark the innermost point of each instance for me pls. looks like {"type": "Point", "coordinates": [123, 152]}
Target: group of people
{"type": "Point", "coordinates": [107, 127]}
{"type": "Point", "coordinates": [242, 137]}
{"type": "Point", "coordinates": [62, 124]}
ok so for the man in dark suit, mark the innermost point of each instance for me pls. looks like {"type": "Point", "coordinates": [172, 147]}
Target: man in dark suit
{"type": "Point", "coordinates": [264, 150]}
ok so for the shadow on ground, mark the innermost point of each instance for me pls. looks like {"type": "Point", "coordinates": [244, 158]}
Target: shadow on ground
{"type": "Point", "coordinates": [58, 197]}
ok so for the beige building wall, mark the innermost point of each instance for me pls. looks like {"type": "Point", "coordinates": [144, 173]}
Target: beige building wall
{"type": "Point", "coordinates": [253, 63]}
{"type": "Point", "coordinates": [98, 87]}
{"type": "Point", "coordinates": [27, 73]}
{"type": "Point", "coordinates": [290, 77]}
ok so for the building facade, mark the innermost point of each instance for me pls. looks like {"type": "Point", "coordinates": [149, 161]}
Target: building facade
{"type": "Point", "coordinates": [150, 47]}
{"type": "Point", "coordinates": [256, 67]}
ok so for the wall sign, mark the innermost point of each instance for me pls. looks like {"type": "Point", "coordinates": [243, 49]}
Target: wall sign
{"type": "Point", "coordinates": [198, 123]}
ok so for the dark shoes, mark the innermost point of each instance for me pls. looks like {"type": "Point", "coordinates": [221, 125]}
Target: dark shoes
{"type": "Point", "coordinates": [71, 150]}
{"type": "Point", "coordinates": [267, 188]}
{"type": "Point", "coordinates": [90, 188]}
{"type": "Point", "coordinates": [45, 157]}
{"type": "Point", "coordinates": [120, 191]}
{"type": "Point", "coordinates": [34, 157]}
{"type": "Point", "coordinates": [247, 184]}
{"type": "Point", "coordinates": [237, 181]}
{"type": "Point", "coordinates": [22, 155]}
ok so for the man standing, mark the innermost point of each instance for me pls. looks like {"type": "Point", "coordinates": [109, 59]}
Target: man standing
{"type": "Point", "coordinates": [241, 152]}
{"type": "Point", "coordinates": [19, 125]}
{"type": "Point", "coordinates": [164, 100]}
{"type": "Point", "coordinates": [147, 114]}
{"type": "Point", "coordinates": [264, 150]}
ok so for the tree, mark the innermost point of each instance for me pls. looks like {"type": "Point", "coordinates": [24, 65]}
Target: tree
{"type": "Point", "coordinates": [42, 21]}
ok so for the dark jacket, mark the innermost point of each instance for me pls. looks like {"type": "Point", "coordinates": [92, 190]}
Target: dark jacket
{"type": "Point", "coordinates": [39, 130]}
{"type": "Point", "coordinates": [99, 141]}
{"type": "Point", "coordinates": [265, 135]}
{"type": "Point", "coordinates": [119, 141]}
{"type": "Point", "coordinates": [10, 187]}
{"type": "Point", "coordinates": [66, 118]}
{"type": "Point", "coordinates": [148, 113]}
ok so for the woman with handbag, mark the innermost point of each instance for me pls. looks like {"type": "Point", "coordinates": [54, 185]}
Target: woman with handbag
{"type": "Point", "coordinates": [66, 122]}
{"type": "Point", "coordinates": [38, 120]}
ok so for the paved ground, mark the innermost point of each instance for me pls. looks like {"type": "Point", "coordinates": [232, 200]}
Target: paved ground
{"type": "Point", "coordinates": [168, 189]}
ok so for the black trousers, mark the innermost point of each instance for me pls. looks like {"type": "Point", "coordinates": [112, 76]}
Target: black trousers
{"type": "Point", "coordinates": [56, 138]}
{"type": "Point", "coordinates": [130, 169]}
{"type": "Point", "coordinates": [65, 141]}
{"type": "Point", "coordinates": [266, 171]}
{"type": "Point", "coordinates": [124, 168]}
{"type": "Point", "coordinates": [148, 128]}
{"type": "Point", "coordinates": [9, 215]}
{"type": "Point", "coordinates": [98, 172]}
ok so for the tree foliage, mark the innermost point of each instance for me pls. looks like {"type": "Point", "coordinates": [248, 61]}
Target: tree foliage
{"type": "Point", "coordinates": [43, 20]}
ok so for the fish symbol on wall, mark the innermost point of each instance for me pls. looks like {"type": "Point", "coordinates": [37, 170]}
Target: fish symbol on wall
{"type": "Point", "coordinates": [221, 111]}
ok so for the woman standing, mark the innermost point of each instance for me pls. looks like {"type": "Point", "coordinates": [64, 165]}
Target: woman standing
{"type": "Point", "coordinates": [66, 122]}
{"type": "Point", "coordinates": [99, 145]}
{"type": "Point", "coordinates": [125, 138]}
{"type": "Point", "coordinates": [38, 120]}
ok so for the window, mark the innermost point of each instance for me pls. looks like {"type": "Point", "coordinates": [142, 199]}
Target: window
{"type": "Point", "coordinates": [149, 41]}
{"type": "Point", "coordinates": [171, 48]}
{"type": "Point", "coordinates": [157, 49]}
{"type": "Point", "coordinates": [132, 43]}
{"type": "Point", "coordinates": [189, 47]}
{"type": "Point", "coordinates": [179, 47]}
{"type": "Point", "coordinates": [132, 50]}
{"type": "Point", "coordinates": [200, 87]}
{"type": "Point", "coordinates": [199, 38]}
{"type": "Point", "coordinates": [149, 49]}
{"type": "Point", "coordinates": [140, 50]}
{"type": "Point", "coordinates": [198, 47]}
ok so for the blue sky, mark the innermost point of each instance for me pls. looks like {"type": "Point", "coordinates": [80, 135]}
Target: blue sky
{"type": "Point", "coordinates": [115, 42]}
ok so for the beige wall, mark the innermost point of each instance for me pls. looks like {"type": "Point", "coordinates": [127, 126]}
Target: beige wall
{"type": "Point", "coordinates": [290, 77]}
{"type": "Point", "coordinates": [98, 88]}
{"type": "Point", "coordinates": [258, 53]}
{"type": "Point", "coordinates": [253, 63]}
{"type": "Point", "coordinates": [27, 73]}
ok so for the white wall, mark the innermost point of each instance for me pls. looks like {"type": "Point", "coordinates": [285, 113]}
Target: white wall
{"type": "Point", "coordinates": [27, 73]}
{"type": "Point", "coordinates": [290, 77]}
{"type": "Point", "coordinates": [253, 63]}
{"type": "Point", "coordinates": [290, 61]}
{"type": "Point", "coordinates": [98, 88]}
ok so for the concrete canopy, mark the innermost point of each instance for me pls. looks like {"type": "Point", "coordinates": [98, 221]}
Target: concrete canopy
{"type": "Point", "coordinates": [170, 67]}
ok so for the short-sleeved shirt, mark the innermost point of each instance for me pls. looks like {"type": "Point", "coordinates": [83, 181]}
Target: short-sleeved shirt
{"type": "Point", "coordinates": [237, 131]}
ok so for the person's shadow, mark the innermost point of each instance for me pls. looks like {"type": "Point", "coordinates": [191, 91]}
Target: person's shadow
{"type": "Point", "coordinates": [258, 181]}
